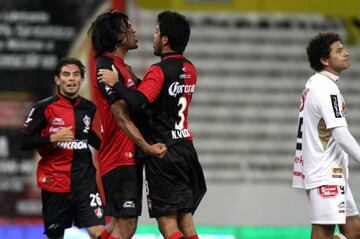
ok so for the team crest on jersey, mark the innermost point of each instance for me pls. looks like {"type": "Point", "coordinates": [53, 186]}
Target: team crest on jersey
{"type": "Point", "coordinates": [328, 191]}
{"type": "Point", "coordinates": [343, 108]}
{"type": "Point", "coordinates": [87, 122]}
{"type": "Point", "coordinates": [302, 100]}
{"type": "Point", "coordinates": [99, 212]}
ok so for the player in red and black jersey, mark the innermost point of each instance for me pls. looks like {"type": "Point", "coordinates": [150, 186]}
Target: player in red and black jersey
{"type": "Point", "coordinates": [60, 128]}
{"type": "Point", "coordinates": [112, 37]}
{"type": "Point", "coordinates": [176, 183]}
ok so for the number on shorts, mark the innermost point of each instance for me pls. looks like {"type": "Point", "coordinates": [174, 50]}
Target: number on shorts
{"type": "Point", "coordinates": [95, 200]}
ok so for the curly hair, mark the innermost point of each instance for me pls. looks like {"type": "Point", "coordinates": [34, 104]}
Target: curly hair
{"type": "Point", "coordinates": [107, 31]}
{"type": "Point", "coordinates": [69, 61]}
{"type": "Point", "coordinates": [320, 47]}
{"type": "Point", "coordinates": [176, 27]}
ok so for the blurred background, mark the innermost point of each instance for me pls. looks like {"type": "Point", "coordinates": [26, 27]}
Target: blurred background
{"type": "Point", "coordinates": [252, 66]}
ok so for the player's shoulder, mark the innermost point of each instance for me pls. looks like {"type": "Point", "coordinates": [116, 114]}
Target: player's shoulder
{"type": "Point", "coordinates": [42, 104]}
{"type": "Point", "coordinates": [87, 102]}
{"type": "Point", "coordinates": [104, 62]}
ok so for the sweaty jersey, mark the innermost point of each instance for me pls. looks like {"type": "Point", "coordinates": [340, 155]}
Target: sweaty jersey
{"type": "Point", "coordinates": [168, 86]}
{"type": "Point", "coordinates": [64, 166]}
{"type": "Point", "coordinates": [319, 160]}
{"type": "Point", "coordinates": [116, 149]}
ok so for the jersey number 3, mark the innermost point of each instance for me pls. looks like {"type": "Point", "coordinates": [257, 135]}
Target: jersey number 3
{"type": "Point", "coordinates": [183, 104]}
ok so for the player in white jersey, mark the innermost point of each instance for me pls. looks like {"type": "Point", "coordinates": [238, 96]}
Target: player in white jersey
{"type": "Point", "coordinates": [324, 143]}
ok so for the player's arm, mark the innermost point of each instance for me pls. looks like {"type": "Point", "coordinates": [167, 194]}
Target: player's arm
{"type": "Point", "coordinates": [94, 139]}
{"type": "Point", "coordinates": [147, 92]}
{"type": "Point", "coordinates": [31, 137]}
{"type": "Point", "coordinates": [121, 113]}
{"type": "Point", "coordinates": [347, 142]}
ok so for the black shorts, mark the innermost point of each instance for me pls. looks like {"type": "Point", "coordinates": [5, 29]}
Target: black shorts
{"type": "Point", "coordinates": [176, 184]}
{"type": "Point", "coordinates": [123, 191]}
{"type": "Point", "coordinates": [82, 207]}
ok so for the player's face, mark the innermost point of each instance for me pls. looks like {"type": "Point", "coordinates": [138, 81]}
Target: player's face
{"type": "Point", "coordinates": [157, 42]}
{"type": "Point", "coordinates": [338, 59]}
{"type": "Point", "coordinates": [130, 41]}
{"type": "Point", "coordinates": [69, 80]}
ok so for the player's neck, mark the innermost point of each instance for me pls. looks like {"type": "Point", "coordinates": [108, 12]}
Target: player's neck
{"type": "Point", "coordinates": [119, 52]}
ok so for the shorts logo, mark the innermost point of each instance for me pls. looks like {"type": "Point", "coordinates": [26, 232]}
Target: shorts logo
{"type": "Point", "coordinates": [335, 106]}
{"type": "Point", "coordinates": [328, 191]}
{"type": "Point", "coordinates": [99, 212]}
{"type": "Point", "coordinates": [341, 207]}
{"type": "Point", "coordinates": [129, 204]}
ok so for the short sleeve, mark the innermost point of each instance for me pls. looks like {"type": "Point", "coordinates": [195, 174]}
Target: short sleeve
{"type": "Point", "coordinates": [152, 83]}
{"type": "Point", "coordinates": [332, 108]}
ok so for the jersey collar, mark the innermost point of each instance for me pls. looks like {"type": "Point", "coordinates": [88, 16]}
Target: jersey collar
{"type": "Point", "coordinates": [330, 75]}
{"type": "Point", "coordinates": [108, 54]}
{"type": "Point", "coordinates": [171, 55]}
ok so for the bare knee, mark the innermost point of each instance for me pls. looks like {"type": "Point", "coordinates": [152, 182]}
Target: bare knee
{"type": "Point", "coordinates": [125, 227]}
{"type": "Point", "coordinates": [95, 231]}
{"type": "Point", "coordinates": [186, 224]}
{"type": "Point", "coordinates": [168, 225]}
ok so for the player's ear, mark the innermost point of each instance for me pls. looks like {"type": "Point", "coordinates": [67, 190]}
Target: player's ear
{"type": "Point", "coordinates": [57, 80]}
{"type": "Point", "coordinates": [324, 61]}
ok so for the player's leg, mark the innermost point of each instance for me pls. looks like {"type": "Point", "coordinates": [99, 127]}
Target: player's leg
{"type": "Point", "coordinates": [169, 228]}
{"type": "Point", "coordinates": [351, 229]}
{"type": "Point", "coordinates": [123, 189]}
{"type": "Point", "coordinates": [322, 231]}
{"type": "Point", "coordinates": [186, 225]}
{"type": "Point", "coordinates": [88, 210]}
{"type": "Point", "coordinates": [124, 228]}
{"type": "Point", "coordinates": [57, 213]}
{"type": "Point", "coordinates": [327, 204]}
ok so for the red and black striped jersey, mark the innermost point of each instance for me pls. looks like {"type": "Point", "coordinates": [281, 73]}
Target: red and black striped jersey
{"type": "Point", "coordinates": [117, 149]}
{"type": "Point", "coordinates": [169, 86]}
{"type": "Point", "coordinates": [64, 166]}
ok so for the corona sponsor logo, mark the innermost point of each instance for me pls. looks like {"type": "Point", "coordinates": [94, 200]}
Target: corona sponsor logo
{"type": "Point", "coordinates": [176, 88]}
{"type": "Point", "coordinates": [73, 145]}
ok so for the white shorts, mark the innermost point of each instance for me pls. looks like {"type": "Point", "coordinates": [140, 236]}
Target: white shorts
{"type": "Point", "coordinates": [331, 204]}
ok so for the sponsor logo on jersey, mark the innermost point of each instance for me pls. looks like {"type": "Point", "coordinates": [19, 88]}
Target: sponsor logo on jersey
{"type": "Point", "coordinates": [129, 204]}
{"type": "Point", "coordinates": [99, 212]}
{"type": "Point", "coordinates": [81, 144]}
{"type": "Point", "coordinates": [328, 191]}
{"type": "Point", "coordinates": [180, 134]}
{"type": "Point", "coordinates": [337, 170]}
{"type": "Point", "coordinates": [176, 88]}
{"type": "Point", "coordinates": [184, 75]}
{"type": "Point", "coordinates": [87, 122]}
{"type": "Point", "coordinates": [335, 106]}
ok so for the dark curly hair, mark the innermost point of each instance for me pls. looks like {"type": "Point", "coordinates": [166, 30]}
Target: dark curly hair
{"type": "Point", "coordinates": [69, 61]}
{"type": "Point", "coordinates": [176, 27]}
{"type": "Point", "coordinates": [107, 30]}
{"type": "Point", "coordinates": [319, 47]}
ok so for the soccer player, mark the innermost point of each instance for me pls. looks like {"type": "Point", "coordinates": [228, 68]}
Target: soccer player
{"type": "Point", "coordinates": [324, 142]}
{"type": "Point", "coordinates": [112, 37]}
{"type": "Point", "coordinates": [176, 183]}
{"type": "Point", "coordinates": [60, 128]}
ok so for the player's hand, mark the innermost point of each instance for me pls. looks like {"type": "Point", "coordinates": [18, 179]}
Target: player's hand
{"type": "Point", "coordinates": [65, 134]}
{"type": "Point", "coordinates": [108, 77]}
{"type": "Point", "coordinates": [157, 150]}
